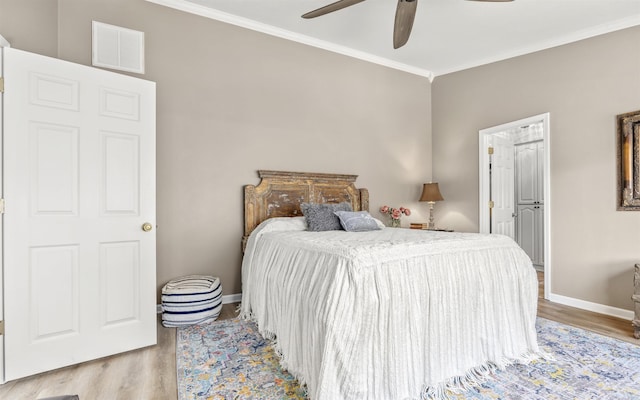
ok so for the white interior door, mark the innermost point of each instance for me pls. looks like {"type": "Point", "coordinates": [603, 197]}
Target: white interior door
{"type": "Point", "coordinates": [79, 182]}
{"type": "Point", "coordinates": [502, 187]}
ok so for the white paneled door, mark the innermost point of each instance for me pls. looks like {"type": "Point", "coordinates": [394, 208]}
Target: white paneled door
{"type": "Point", "coordinates": [530, 198]}
{"type": "Point", "coordinates": [502, 187]}
{"type": "Point", "coordinates": [79, 184]}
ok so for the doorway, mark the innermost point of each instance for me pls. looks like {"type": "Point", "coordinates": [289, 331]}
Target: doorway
{"type": "Point", "coordinates": [514, 186]}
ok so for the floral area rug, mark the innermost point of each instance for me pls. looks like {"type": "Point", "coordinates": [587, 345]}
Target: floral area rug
{"type": "Point", "coordinates": [229, 359]}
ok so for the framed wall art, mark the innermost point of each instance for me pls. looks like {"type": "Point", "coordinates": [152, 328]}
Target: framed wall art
{"type": "Point", "coordinates": [628, 143]}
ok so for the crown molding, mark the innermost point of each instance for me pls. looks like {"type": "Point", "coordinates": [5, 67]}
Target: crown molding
{"type": "Point", "coordinates": [624, 23]}
{"type": "Point", "coordinates": [207, 12]}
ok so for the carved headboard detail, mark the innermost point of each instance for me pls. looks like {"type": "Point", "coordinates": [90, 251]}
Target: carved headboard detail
{"type": "Point", "coordinates": [280, 193]}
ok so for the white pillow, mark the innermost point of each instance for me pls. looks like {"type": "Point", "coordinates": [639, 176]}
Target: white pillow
{"type": "Point", "coordinates": [380, 223]}
{"type": "Point", "coordinates": [284, 224]}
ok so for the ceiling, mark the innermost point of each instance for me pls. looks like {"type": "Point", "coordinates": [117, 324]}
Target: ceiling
{"type": "Point", "coordinates": [447, 35]}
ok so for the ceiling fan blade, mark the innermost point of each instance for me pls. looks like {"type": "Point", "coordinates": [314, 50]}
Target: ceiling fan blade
{"type": "Point", "coordinates": [405, 14]}
{"type": "Point", "coordinates": [338, 5]}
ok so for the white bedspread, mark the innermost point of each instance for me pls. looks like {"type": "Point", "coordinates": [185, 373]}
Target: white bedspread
{"type": "Point", "coordinates": [389, 314]}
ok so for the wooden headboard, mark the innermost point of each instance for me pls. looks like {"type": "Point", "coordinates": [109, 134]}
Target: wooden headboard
{"type": "Point", "coordinates": [280, 193]}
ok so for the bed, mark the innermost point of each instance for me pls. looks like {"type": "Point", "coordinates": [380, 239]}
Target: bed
{"type": "Point", "coordinates": [383, 314]}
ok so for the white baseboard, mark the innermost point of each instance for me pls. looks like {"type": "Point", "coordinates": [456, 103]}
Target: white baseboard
{"type": "Point", "coordinates": [589, 306]}
{"type": "Point", "coordinates": [230, 298]}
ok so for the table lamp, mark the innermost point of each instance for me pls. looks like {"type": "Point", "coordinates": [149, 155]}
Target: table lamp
{"type": "Point", "coordinates": [431, 194]}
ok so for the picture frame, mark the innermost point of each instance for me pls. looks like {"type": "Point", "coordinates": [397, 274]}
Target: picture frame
{"type": "Point", "coordinates": [628, 145]}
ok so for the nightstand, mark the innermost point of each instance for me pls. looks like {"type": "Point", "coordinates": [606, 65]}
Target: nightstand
{"type": "Point", "coordinates": [423, 226]}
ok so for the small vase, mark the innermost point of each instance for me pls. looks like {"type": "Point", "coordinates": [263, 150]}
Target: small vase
{"type": "Point", "coordinates": [395, 223]}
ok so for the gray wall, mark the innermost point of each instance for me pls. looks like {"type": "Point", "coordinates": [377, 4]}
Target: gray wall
{"type": "Point", "coordinates": [231, 101]}
{"type": "Point", "coordinates": [584, 86]}
{"type": "Point", "coordinates": [30, 25]}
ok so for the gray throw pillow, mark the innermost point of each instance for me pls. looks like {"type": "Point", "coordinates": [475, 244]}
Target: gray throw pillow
{"type": "Point", "coordinates": [321, 217]}
{"type": "Point", "coordinates": [357, 221]}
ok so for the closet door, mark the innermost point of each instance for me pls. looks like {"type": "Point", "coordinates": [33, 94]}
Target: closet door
{"type": "Point", "coordinates": [540, 172]}
{"type": "Point", "coordinates": [530, 176]}
{"type": "Point", "coordinates": [530, 189]}
{"type": "Point", "coordinates": [527, 169]}
{"type": "Point", "coordinates": [527, 236]}
{"type": "Point", "coordinates": [530, 231]}
{"type": "Point", "coordinates": [79, 183]}
{"type": "Point", "coordinates": [538, 255]}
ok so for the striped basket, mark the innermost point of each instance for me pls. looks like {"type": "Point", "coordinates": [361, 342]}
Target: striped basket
{"type": "Point", "coordinates": [190, 300]}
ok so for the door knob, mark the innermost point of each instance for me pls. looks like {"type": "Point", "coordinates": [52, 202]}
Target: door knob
{"type": "Point", "coordinates": [147, 227]}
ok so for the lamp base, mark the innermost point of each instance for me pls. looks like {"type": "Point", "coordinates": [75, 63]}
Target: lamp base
{"type": "Point", "coordinates": [431, 224]}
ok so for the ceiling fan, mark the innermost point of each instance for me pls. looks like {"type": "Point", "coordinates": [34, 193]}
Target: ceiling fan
{"type": "Point", "coordinates": [405, 14]}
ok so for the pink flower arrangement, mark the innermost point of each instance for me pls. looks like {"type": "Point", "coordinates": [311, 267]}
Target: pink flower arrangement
{"type": "Point", "coordinates": [395, 214]}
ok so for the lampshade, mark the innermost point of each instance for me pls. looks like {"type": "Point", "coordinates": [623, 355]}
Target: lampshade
{"type": "Point", "coordinates": [431, 192]}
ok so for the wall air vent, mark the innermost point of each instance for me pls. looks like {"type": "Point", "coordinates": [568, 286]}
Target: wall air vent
{"type": "Point", "coordinates": [117, 48]}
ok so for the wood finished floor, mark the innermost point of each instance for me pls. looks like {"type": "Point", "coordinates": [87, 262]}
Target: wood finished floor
{"type": "Point", "coordinates": [150, 373]}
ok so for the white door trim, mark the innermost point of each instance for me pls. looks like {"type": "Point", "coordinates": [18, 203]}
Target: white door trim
{"type": "Point", "coordinates": [483, 197]}
{"type": "Point", "coordinates": [2, 380]}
